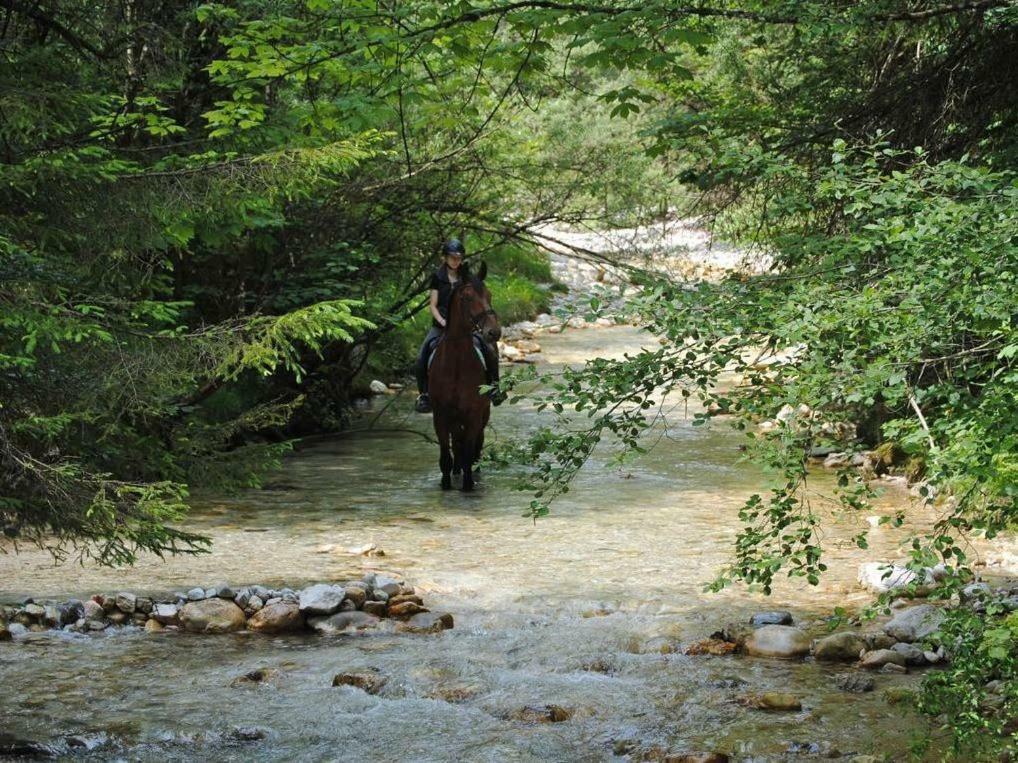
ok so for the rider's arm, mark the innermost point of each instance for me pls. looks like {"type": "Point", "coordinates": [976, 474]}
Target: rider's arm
{"type": "Point", "coordinates": [434, 308]}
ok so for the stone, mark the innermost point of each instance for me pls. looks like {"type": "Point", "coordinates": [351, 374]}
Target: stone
{"type": "Point", "coordinates": [379, 595]}
{"type": "Point", "coordinates": [92, 611]}
{"type": "Point", "coordinates": [915, 623]}
{"type": "Point", "coordinates": [404, 597]}
{"type": "Point", "coordinates": [274, 600]}
{"type": "Point", "coordinates": [881, 578]}
{"type": "Point", "coordinates": [836, 460]}
{"type": "Point", "coordinates": [913, 655]}
{"type": "Point", "coordinates": [253, 605]}
{"type": "Point", "coordinates": [377, 387]}
{"type": "Point", "coordinates": [542, 714]}
{"type": "Point", "coordinates": [281, 617]}
{"type": "Point", "coordinates": [975, 592]}
{"type": "Point", "coordinates": [17, 630]}
{"type": "Point", "coordinates": [321, 599]}
{"type": "Point", "coordinates": [357, 594]}
{"type": "Point", "coordinates": [370, 681]}
{"type": "Point", "coordinates": [771, 700]}
{"type": "Point", "coordinates": [256, 676]}
{"type": "Point", "coordinates": [51, 616]}
{"type": "Point", "coordinates": [154, 626]}
{"type": "Point", "coordinates": [5, 633]}
{"type": "Point", "coordinates": [405, 609]}
{"type": "Point", "coordinates": [108, 602]}
{"type": "Point", "coordinates": [144, 605]}
{"type": "Point", "coordinates": [139, 618]}
{"type": "Point", "coordinates": [166, 614]}
{"type": "Point", "coordinates": [376, 608]}
{"type": "Point", "coordinates": [892, 667]}
{"type": "Point", "coordinates": [127, 602]}
{"type": "Point", "coordinates": [879, 657]}
{"type": "Point", "coordinates": [839, 647]}
{"type": "Point", "coordinates": [771, 618]}
{"type": "Point", "coordinates": [428, 622]}
{"type": "Point", "coordinates": [196, 594]}
{"type": "Point", "coordinates": [390, 586]}
{"type": "Point", "coordinates": [117, 617]}
{"type": "Point", "coordinates": [932, 657]}
{"type": "Point", "coordinates": [712, 646]}
{"type": "Point", "coordinates": [212, 616]}
{"type": "Point", "coordinates": [347, 606]}
{"type": "Point", "coordinates": [878, 640]}
{"type": "Point", "coordinates": [220, 591]}
{"type": "Point", "coordinates": [342, 622]}
{"type": "Point", "coordinates": [71, 611]}
{"type": "Point", "coordinates": [856, 683]}
{"type": "Point", "coordinates": [35, 611]}
{"type": "Point", "coordinates": [261, 592]}
{"type": "Point", "coordinates": [777, 641]}
{"type": "Point", "coordinates": [694, 757]}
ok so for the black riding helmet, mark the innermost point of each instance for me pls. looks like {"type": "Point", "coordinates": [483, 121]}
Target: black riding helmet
{"type": "Point", "coordinates": [454, 246]}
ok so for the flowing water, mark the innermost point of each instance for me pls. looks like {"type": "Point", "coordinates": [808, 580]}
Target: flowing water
{"type": "Point", "coordinates": [573, 611]}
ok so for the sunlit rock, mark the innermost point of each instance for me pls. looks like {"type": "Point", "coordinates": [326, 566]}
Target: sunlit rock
{"type": "Point", "coordinates": [212, 616]}
{"type": "Point", "coordinates": [777, 641]}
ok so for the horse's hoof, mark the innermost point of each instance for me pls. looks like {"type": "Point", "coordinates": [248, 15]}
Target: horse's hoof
{"type": "Point", "coordinates": [446, 483]}
{"type": "Point", "coordinates": [468, 487]}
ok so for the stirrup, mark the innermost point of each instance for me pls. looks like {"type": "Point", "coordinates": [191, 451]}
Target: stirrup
{"type": "Point", "coordinates": [423, 404]}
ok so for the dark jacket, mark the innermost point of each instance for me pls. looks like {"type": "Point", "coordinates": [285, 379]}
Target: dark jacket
{"type": "Point", "coordinates": [440, 282]}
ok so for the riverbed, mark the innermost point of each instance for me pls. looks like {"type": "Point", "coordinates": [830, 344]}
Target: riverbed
{"type": "Point", "coordinates": [588, 609]}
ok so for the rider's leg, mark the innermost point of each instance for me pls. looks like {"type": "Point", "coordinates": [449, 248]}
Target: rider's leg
{"type": "Point", "coordinates": [491, 361]}
{"type": "Point", "coordinates": [421, 369]}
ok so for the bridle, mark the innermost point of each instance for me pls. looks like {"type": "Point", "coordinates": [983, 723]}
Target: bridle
{"type": "Point", "coordinates": [477, 318]}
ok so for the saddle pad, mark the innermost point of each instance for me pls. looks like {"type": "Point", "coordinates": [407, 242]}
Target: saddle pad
{"type": "Point", "coordinates": [478, 349]}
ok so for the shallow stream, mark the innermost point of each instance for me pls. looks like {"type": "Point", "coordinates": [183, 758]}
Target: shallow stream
{"type": "Point", "coordinates": [588, 610]}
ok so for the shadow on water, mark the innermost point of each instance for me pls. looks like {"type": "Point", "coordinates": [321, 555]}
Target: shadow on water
{"type": "Point", "coordinates": [588, 610]}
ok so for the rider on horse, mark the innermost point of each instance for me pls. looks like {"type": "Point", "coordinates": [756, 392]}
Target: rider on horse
{"type": "Point", "coordinates": [443, 281]}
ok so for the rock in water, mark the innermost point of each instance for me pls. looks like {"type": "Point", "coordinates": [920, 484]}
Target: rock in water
{"type": "Point", "coordinates": [280, 617]}
{"type": "Point", "coordinates": [542, 714]}
{"type": "Point", "coordinates": [777, 641]}
{"type": "Point", "coordinates": [405, 609]}
{"type": "Point", "coordinates": [855, 683]}
{"type": "Point", "coordinates": [342, 621]}
{"type": "Point", "coordinates": [212, 616]}
{"type": "Point", "coordinates": [428, 622]}
{"type": "Point", "coordinates": [154, 626]}
{"type": "Point", "coordinates": [839, 647]}
{"type": "Point", "coordinates": [915, 623]}
{"type": "Point", "coordinates": [879, 657]}
{"type": "Point", "coordinates": [166, 614]}
{"type": "Point", "coordinates": [913, 655]}
{"type": "Point", "coordinates": [321, 599]}
{"type": "Point", "coordinates": [126, 602]}
{"type": "Point", "coordinates": [770, 618]}
{"type": "Point", "coordinates": [771, 700]}
{"type": "Point", "coordinates": [370, 680]}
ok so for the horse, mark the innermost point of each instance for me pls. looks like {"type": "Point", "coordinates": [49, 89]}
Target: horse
{"type": "Point", "coordinates": [459, 411]}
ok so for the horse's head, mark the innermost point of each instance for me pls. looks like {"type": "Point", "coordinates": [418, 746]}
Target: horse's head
{"type": "Point", "coordinates": [475, 306]}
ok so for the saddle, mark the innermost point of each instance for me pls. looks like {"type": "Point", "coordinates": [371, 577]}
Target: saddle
{"type": "Point", "coordinates": [478, 349]}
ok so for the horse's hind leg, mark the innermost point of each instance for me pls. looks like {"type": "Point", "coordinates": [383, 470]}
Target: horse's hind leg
{"type": "Point", "coordinates": [466, 457]}
{"type": "Point", "coordinates": [445, 455]}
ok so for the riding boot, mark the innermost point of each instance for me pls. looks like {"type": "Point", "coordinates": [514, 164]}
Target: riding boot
{"type": "Point", "coordinates": [491, 361]}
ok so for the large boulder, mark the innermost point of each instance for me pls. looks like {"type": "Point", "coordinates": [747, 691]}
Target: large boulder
{"type": "Point", "coordinates": [212, 616]}
{"type": "Point", "coordinates": [321, 599]}
{"type": "Point", "coordinates": [777, 641]}
{"type": "Point", "coordinates": [881, 578]}
{"type": "Point", "coordinates": [342, 621]}
{"type": "Point", "coordinates": [279, 617]}
{"type": "Point", "coordinates": [839, 647]}
{"type": "Point", "coordinates": [915, 623]}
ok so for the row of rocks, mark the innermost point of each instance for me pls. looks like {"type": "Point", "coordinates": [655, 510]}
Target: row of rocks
{"type": "Point", "coordinates": [326, 608]}
{"type": "Point", "coordinates": [894, 648]}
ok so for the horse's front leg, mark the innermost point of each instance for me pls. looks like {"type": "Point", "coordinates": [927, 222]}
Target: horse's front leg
{"type": "Point", "coordinates": [445, 454]}
{"type": "Point", "coordinates": [477, 452]}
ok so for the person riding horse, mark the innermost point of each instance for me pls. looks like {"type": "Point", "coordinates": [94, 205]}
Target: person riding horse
{"type": "Point", "coordinates": [444, 280]}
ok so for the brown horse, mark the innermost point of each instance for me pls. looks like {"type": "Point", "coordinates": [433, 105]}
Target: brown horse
{"type": "Point", "coordinates": [460, 411]}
